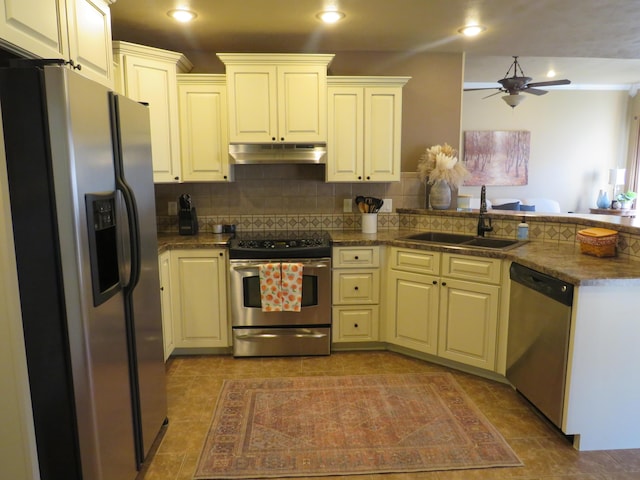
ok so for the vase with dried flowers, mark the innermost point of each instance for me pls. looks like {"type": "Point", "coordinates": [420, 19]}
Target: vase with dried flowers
{"type": "Point", "coordinates": [440, 169]}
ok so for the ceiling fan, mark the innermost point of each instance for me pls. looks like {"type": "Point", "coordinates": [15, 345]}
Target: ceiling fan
{"type": "Point", "coordinates": [513, 85]}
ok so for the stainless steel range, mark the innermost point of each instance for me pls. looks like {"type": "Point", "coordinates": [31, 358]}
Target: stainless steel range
{"type": "Point", "coordinates": [257, 329]}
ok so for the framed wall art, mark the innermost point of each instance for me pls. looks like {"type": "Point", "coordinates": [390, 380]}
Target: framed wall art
{"type": "Point", "coordinates": [497, 157]}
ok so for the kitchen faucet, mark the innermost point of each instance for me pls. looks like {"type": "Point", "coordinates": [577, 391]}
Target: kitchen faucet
{"type": "Point", "coordinates": [482, 221]}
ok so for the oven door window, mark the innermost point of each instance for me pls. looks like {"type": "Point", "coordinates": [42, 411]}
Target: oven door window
{"type": "Point", "coordinates": [251, 291]}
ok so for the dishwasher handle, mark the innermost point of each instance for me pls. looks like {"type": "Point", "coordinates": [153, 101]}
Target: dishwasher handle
{"type": "Point", "coordinates": [547, 285]}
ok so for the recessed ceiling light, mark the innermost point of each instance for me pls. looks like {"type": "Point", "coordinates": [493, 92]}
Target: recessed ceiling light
{"type": "Point", "coordinates": [182, 15]}
{"type": "Point", "coordinates": [330, 16]}
{"type": "Point", "coordinates": [471, 30]}
{"type": "Point", "coordinates": [551, 73]}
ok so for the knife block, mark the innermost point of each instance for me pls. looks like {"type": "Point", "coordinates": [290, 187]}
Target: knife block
{"type": "Point", "coordinates": [187, 222]}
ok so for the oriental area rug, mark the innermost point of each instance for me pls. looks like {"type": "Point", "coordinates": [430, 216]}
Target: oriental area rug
{"type": "Point", "coordinates": [348, 425]}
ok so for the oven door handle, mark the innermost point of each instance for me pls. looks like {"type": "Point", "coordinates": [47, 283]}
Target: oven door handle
{"type": "Point", "coordinates": [247, 336]}
{"type": "Point", "coordinates": [253, 266]}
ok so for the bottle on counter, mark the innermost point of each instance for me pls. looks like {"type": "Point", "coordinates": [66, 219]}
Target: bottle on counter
{"type": "Point", "coordinates": [523, 230]}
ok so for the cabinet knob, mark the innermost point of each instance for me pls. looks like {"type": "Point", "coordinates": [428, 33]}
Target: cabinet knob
{"type": "Point", "coordinates": [356, 257]}
{"type": "Point", "coordinates": [355, 288]}
{"type": "Point", "coordinates": [225, 177]}
{"type": "Point", "coordinates": [355, 325]}
{"type": "Point", "coordinates": [176, 178]}
{"type": "Point", "coordinates": [162, 289]}
{"type": "Point", "coordinates": [444, 284]}
{"type": "Point", "coordinates": [273, 138]}
{"type": "Point", "coordinates": [368, 177]}
{"type": "Point", "coordinates": [221, 254]}
{"type": "Point", "coordinates": [282, 139]}
{"type": "Point", "coordinates": [359, 178]}
{"type": "Point", "coordinates": [435, 282]}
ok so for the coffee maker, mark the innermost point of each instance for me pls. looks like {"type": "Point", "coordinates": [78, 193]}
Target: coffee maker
{"type": "Point", "coordinates": [187, 218]}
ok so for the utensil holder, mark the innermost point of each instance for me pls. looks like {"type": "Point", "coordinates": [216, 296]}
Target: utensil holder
{"type": "Point", "coordinates": [369, 222]}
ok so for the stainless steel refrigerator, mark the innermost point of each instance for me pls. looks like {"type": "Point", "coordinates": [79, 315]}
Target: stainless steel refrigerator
{"type": "Point", "coordinates": [83, 214]}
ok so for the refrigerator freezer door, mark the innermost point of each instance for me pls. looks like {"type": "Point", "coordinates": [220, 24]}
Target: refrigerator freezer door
{"type": "Point", "coordinates": [82, 160]}
{"type": "Point", "coordinates": [135, 153]}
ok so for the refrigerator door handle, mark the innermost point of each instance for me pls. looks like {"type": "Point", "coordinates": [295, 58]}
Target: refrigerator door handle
{"type": "Point", "coordinates": [124, 243]}
{"type": "Point", "coordinates": [130, 238]}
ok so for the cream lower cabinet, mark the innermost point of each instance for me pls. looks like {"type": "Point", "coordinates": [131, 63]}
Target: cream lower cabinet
{"type": "Point", "coordinates": [445, 305]}
{"type": "Point", "coordinates": [356, 294]}
{"type": "Point", "coordinates": [204, 138]}
{"type": "Point", "coordinates": [147, 74]}
{"type": "Point", "coordinates": [78, 30]}
{"type": "Point", "coordinates": [199, 298]}
{"type": "Point", "coordinates": [413, 298]}
{"type": "Point", "coordinates": [164, 267]}
{"type": "Point", "coordinates": [365, 128]}
{"type": "Point", "coordinates": [279, 98]}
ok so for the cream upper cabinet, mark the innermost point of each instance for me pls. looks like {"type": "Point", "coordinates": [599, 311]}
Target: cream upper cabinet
{"type": "Point", "coordinates": [365, 128]}
{"type": "Point", "coordinates": [278, 98]}
{"type": "Point", "coordinates": [204, 138]}
{"type": "Point", "coordinates": [148, 75]}
{"type": "Point", "coordinates": [199, 298]}
{"type": "Point", "coordinates": [76, 30]}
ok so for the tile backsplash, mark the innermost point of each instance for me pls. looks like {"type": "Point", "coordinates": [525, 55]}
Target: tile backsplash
{"type": "Point", "coordinates": [280, 191]}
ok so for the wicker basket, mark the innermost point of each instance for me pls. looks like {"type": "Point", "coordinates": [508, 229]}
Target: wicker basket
{"type": "Point", "coordinates": [600, 242]}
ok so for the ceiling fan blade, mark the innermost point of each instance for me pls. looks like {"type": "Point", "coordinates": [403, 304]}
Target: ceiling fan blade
{"type": "Point", "coordinates": [534, 91]}
{"type": "Point", "coordinates": [549, 83]}
{"type": "Point", "coordinates": [499, 91]}
{"type": "Point", "coordinates": [485, 88]}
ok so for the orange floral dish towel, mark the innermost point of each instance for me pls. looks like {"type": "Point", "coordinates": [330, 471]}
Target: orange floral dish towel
{"type": "Point", "coordinates": [270, 296]}
{"type": "Point", "coordinates": [280, 287]}
{"type": "Point", "coordinates": [291, 287]}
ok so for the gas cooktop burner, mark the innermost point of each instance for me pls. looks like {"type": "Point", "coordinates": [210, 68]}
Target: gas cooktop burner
{"type": "Point", "coordinates": [280, 245]}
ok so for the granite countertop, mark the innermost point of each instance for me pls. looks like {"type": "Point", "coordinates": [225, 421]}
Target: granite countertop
{"type": "Point", "coordinates": [563, 261]}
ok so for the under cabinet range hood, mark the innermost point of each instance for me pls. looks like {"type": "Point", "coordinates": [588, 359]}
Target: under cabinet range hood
{"type": "Point", "coordinates": [256, 154]}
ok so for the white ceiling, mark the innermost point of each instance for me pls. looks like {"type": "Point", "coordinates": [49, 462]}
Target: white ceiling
{"type": "Point", "coordinates": [588, 41]}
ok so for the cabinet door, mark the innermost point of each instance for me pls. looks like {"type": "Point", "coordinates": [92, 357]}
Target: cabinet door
{"type": "Point", "coordinates": [302, 104]}
{"type": "Point", "coordinates": [90, 39]}
{"type": "Point", "coordinates": [165, 303]}
{"type": "Point", "coordinates": [203, 130]}
{"type": "Point", "coordinates": [154, 82]}
{"type": "Point", "coordinates": [468, 322]}
{"type": "Point", "coordinates": [199, 298]}
{"type": "Point", "coordinates": [382, 133]}
{"type": "Point", "coordinates": [253, 109]}
{"type": "Point", "coordinates": [345, 157]}
{"type": "Point", "coordinates": [34, 27]}
{"type": "Point", "coordinates": [355, 323]}
{"type": "Point", "coordinates": [413, 311]}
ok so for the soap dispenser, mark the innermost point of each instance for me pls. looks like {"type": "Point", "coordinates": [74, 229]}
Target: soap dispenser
{"type": "Point", "coordinates": [523, 230]}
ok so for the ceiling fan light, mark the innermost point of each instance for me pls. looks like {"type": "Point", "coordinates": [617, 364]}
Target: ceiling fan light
{"type": "Point", "coordinates": [471, 30]}
{"type": "Point", "coordinates": [330, 16]}
{"type": "Point", "coordinates": [513, 100]}
{"type": "Point", "coordinates": [182, 15]}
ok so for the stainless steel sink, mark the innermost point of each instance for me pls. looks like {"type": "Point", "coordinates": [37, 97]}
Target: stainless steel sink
{"type": "Point", "coordinates": [463, 240]}
{"type": "Point", "coordinates": [440, 237]}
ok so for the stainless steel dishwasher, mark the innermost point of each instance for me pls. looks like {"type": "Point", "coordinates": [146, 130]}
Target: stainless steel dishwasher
{"type": "Point", "coordinates": [538, 340]}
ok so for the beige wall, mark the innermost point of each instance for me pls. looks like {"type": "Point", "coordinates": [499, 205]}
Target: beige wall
{"type": "Point", "coordinates": [576, 136]}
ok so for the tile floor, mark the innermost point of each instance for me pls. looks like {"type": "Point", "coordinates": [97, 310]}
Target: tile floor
{"type": "Point", "coordinates": [194, 383]}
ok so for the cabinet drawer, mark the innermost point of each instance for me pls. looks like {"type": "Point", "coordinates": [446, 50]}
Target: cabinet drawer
{"type": "Point", "coordinates": [355, 324]}
{"type": "Point", "coordinates": [346, 257]}
{"type": "Point", "coordinates": [471, 268]}
{"type": "Point", "coordinates": [410, 260]}
{"type": "Point", "coordinates": [356, 287]}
